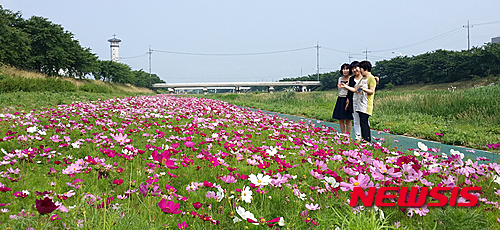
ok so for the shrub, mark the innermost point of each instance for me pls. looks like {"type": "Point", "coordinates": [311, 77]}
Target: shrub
{"type": "Point", "coordinates": [389, 86]}
{"type": "Point", "coordinates": [94, 88]}
{"type": "Point", "coordinates": [14, 84]}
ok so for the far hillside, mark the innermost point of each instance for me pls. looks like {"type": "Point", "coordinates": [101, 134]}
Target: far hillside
{"type": "Point", "coordinates": [439, 67]}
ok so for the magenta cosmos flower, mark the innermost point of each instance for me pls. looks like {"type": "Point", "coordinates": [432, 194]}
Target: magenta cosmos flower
{"type": "Point", "coordinates": [169, 207]}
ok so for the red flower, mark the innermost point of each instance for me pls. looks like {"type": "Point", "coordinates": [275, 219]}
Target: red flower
{"type": "Point", "coordinates": [45, 206]}
{"type": "Point", "coordinates": [197, 205]}
{"type": "Point", "coordinates": [118, 182]}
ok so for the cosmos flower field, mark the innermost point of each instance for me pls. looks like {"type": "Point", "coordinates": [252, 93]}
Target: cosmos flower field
{"type": "Point", "coordinates": [167, 162]}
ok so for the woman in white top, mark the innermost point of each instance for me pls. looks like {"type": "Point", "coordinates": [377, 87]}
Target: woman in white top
{"type": "Point", "coordinates": [352, 98]}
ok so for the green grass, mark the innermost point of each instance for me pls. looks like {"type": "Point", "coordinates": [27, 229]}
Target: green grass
{"type": "Point", "coordinates": [466, 117]}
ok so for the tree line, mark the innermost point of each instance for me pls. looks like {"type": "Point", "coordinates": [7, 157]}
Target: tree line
{"type": "Point", "coordinates": [439, 66]}
{"type": "Point", "coordinates": [37, 44]}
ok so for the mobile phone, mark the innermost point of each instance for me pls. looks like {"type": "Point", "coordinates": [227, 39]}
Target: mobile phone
{"type": "Point", "coordinates": [360, 89]}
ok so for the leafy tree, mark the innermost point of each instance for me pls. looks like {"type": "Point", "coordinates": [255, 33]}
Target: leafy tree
{"type": "Point", "coordinates": [14, 43]}
{"type": "Point", "coordinates": [114, 72]}
{"type": "Point", "coordinates": [54, 51]}
{"type": "Point", "coordinates": [143, 79]}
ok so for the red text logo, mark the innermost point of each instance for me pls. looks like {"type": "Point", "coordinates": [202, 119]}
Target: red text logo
{"type": "Point", "coordinates": [416, 196]}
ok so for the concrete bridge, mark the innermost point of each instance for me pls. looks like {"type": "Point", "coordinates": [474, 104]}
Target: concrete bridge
{"type": "Point", "coordinates": [237, 85]}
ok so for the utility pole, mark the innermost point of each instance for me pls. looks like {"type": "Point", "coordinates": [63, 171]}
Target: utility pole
{"type": "Point", "coordinates": [150, 52]}
{"type": "Point", "coordinates": [366, 53]}
{"type": "Point", "coordinates": [349, 56]}
{"type": "Point", "coordinates": [317, 60]}
{"type": "Point", "coordinates": [468, 26]}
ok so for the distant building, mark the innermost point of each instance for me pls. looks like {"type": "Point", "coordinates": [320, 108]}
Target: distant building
{"type": "Point", "coordinates": [495, 40]}
{"type": "Point", "coordinates": [115, 48]}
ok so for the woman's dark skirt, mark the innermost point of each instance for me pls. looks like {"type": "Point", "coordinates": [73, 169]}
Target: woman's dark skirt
{"type": "Point", "coordinates": [339, 112]}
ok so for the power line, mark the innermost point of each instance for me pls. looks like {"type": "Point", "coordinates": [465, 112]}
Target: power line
{"type": "Point", "coordinates": [420, 42]}
{"type": "Point", "coordinates": [341, 51]}
{"type": "Point", "coordinates": [235, 54]}
{"type": "Point", "coordinates": [142, 55]}
{"type": "Point", "coordinates": [485, 23]}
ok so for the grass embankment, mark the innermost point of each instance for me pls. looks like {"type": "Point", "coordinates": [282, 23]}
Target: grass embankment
{"type": "Point", "coordinates": [15, 80]}
{"type": "Point", "coordinates": [23, 90]}
{"type": "Point", "coordinates": [465, 117]}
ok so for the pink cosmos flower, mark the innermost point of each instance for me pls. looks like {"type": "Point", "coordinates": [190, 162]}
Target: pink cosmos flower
{"type": "Point", "coordinates": [362, 182]}
{"type": "Point", "coordinates": [55, 138]}
{"type": "Point", "coordinates": [421, 211]}
{"type": "Point", "coordinates": [169, 207]}
{"type": "Point", "coordinates": [118, 182]}
{"type": "Point", "coordinates": [189, 144]}
{"type": "Point", "coordinates": [316, 174]}
{"type": "Point", "coordinates": [120, 138]}
{"type": "Point", "coordinates": [228, 179]}
{"type": "Point", "coordinates": [312, 206]}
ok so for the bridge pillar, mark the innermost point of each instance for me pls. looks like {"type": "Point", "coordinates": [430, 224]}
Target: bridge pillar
{"type": "Point", "coordinates": [237, 89]}
{"type": "Point", "coordinates": [271, 89]}
{"type": "Point", "coordinates": [205, 90]}
{"type": "Point", "coordinates": [304, 88]}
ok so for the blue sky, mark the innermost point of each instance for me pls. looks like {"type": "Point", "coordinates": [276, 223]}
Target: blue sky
{"type": "Point", "coordinates": [386, 28]}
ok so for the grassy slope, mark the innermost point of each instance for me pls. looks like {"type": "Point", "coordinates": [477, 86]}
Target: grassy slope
{"type": "Point", "coordinates": [466, 117]}
{"type": "Point", "coordinates": [22, 101]}
{"type": "Point", "coordinates": [114, 87]}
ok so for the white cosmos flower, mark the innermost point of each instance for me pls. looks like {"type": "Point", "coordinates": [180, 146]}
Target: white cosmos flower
{"type": "Point", "coordinates": [246, 214]}
{"type": "Point", "coordinates": [281, 222]}
{"type": "Point", "coordinates": [246, 194]}
{"type": "Point", "coordinates": [43, 133]}
{"type": "Point", "coordinates": [422, 146]}
{"type": "Point", "coordinates": [454, 152]}
{"type": "Point", "coordinates": [272, 151]}
{"type": "Point", "coordinates": [236, 219]}
{"type": "Point", "coordinates": [220, 194]}
{"type": "Point", "coordinates": [331, 181]}
{"type": "Point", "coordinates": [496, 179]}
{"type": "Point", "coordinates": [32, 129]}
{"type": "Point", "coordinates": [259, 179]}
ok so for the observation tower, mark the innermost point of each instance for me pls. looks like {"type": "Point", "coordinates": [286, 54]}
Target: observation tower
{"type": "Point", "coordinates": [114, 48]}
